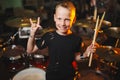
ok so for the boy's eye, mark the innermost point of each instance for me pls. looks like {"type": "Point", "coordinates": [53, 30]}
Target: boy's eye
{"type": "Point", "coordinates": [67, 19]}
{"type": "Point", "coordinates": [59, 18]}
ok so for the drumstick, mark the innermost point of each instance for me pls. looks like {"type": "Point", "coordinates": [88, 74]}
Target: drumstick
{"type": "Point", "coordinates": [101, 20]}
{"type": "Point", "coordinates": [94, 38]}
{"type": "Point", "coordinates": [96, 31]}
{"type": "Point", "coordinates": [95, 14]}
{"type": "Point", "coordinates": [97, 27]}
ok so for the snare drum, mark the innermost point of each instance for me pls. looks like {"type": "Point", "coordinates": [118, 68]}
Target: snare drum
{"type": "Point", "coordinates": [30, 74]}
{"type": "Point", "coordinates": [14, 57]}
{"type": "Point", "coordinates": [37, 60]}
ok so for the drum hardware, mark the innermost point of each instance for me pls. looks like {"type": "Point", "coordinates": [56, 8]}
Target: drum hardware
{"type": "Point", "coordinates": [77, 75]}
{"type": "Point", "coordinates": [93, 75]}
{"type": "Point", "coordinates": [108, 58]}
{"type": "Point", "coordinates": [117, 50]}
{"type": "Point", "coordinates": [113, 32]}
{"type": "Point", "coordinates": [24, 32]}
{"type": "Point", "coordinates": [109, 68]}
{"type": "Point", "coordinates": [108, 54]}
{"type": "Point", "coordinates": [10, 40]}
{"type": "Point", "coordinates": [14, 57]}
{"type": "Point", "coordinates": [110, 64]}
{"type": "Point", "coordinates": [117, 41]}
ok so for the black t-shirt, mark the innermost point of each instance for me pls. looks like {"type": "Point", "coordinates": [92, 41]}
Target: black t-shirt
{"type": "Point", "coordinates": [61, 49]}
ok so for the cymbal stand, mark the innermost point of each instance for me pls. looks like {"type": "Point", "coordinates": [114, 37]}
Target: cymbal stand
{"type": "Point", "coordinates": [10, 39]}
{"type": "Point", "coordinates": [117, 41]}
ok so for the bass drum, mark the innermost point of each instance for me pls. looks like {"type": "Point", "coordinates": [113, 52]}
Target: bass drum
{"type": "Point", "coordinates": [30, 74]}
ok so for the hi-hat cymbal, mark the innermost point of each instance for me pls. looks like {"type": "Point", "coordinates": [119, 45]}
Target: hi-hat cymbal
{"type": "Point", "coordinates": [18, 22]}
{"type": "Point", "coordinates": [113, 32]}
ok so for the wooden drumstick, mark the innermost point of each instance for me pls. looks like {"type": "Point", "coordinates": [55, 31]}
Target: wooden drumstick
{"type": "Point", "coordinates": [101, 21]}
{"type": "Point", "coordinates": [97, 27]}
{"type": "Point", "coordinates": [95, 14]}
{"type": "Point", "coordinates": [94, 39]}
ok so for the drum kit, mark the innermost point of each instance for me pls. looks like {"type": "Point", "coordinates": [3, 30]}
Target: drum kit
{"type": "Point", "coordinates": [27, 67]}
{"type": "Point", "coordinates": [18, 61]}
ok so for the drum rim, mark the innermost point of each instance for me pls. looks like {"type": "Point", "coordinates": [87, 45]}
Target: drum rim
{"type": "Point", "coordinates": [38, 56]}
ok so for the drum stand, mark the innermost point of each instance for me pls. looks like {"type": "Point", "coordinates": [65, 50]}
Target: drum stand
{"type": "Point", "coordinates": [117, 41]}
{"type": "Point", "coordinates": [11, 39]}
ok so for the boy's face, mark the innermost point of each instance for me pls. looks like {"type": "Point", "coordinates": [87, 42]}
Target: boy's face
{"type": "Point", "coordinates": [63, 19]}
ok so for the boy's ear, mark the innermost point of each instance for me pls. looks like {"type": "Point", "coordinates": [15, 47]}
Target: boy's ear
{"type": "Point", "coordinates": [54, 17]}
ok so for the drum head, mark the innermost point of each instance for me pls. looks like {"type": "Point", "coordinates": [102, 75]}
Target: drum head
{"type": "Point", "coordinates": [30, 74]}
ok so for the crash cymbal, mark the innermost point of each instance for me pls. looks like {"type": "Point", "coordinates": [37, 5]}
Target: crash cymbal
{"type": "Point", "coordinates": [113, 32]}
{"type": "Point", "coordinates": [19, 22]}
{"type": "Point", "coordinates": [108, 53]}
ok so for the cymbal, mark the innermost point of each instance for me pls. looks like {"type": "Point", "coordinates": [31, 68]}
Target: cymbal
{"type": "Point", "coordinates": [83, 28]}
{"type": "Point", "coordinates": [108, 53]}
{"type": "Point", "coordinates": [113, 32]}
{"type": "Point", "coordinates": [39, 33]}
{"type": "Point", "coordinates": [18, 22]}
{"type": "Point", "coordinates": [105, 23]}
{"type": "Point", "coordinates": [85, 23]}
